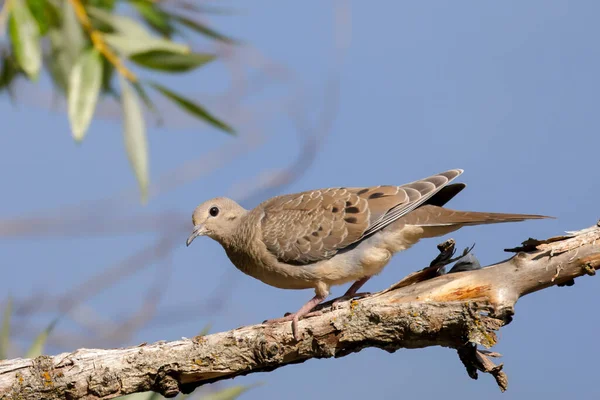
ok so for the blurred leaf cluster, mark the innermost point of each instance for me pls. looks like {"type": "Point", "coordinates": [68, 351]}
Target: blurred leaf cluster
{"type": "Point", "coordinates": [88, 46]}
{"type": "Point", "coordinates": [37, 348]}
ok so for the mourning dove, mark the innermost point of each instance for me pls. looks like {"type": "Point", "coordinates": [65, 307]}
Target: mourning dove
{"type": "Point", "coordinates": [321, 238]}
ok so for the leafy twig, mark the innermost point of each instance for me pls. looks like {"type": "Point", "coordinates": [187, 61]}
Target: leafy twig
{"type": "Point", "coordinates": [99, 43]}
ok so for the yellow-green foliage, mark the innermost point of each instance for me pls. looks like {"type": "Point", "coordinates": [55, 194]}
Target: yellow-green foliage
{"type": "Point", "coordinates": [91, 41]}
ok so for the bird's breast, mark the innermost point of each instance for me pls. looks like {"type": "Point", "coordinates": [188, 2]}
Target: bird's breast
{"type": "Point", "coordinates": [253, 258]}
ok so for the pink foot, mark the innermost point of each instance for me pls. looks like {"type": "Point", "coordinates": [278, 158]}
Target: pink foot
{"type": "Point", "coordinates": [301, 313]}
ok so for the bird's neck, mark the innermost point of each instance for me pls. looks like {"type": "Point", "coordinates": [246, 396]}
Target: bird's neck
{"type": "Point", "coordinates": [240, 247]}
{"type": "Point", "coordinates": [242, 238]}
{"type": "Point", "coordinates": [240, 235]}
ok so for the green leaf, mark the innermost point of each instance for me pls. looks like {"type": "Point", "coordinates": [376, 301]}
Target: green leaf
{"type": "Point", "coordinates": [229, 393]}
{"type": "Point", "coordinates": [131, 37]}
{"type": "Point", "coordinates": [44, 13]}
{"type": "Point", "coordinates": [124, 25]}
{"type": "Point", "coordinates": [155, 17]}
{"type": "Point", "coordinates": [58, 62]}
{"type": "Point", "coordinates": [108, 72]}
{"type": "Point", "coordinates": [67, 42]}
{"type": "Point", "coordinates": [141, 92]}
{"type": "Point", "coordinates": [205, 330]}
{"type": "Point", "coordinates": [8, 73]}
{"type": "Point", "coordinates": [204, 9]}
{"type": "Point", "coordinates": [37, 348]}
{"type": "Point", "coordinates": [5, 332]}
{"type": "Point", "coordinates": [192, 108]}
{"type": "Point", "coordinates": [85, 81]}
{"type": "Point", "coordinates": [25, 37]}
{"type": "Point", "coordinates": [104, 4]}
{"type": "Point", "coordinates": [203, 29]}
{"type": "Point", "coordinates": [171, 62]}
{"type": "Point", "coordinates": [134, 135]}
{"type": "Point", "coordinates": [72, 40]}
{"type": "Point", "coordinates": [127, 45]}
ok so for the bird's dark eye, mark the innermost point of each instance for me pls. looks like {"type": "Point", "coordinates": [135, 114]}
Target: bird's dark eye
{"type": "Point", "coordinates": [214, 211]}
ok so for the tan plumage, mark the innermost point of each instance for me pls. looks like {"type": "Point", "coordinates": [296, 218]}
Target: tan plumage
{"type": "Point", "coordinates": [316, 239]}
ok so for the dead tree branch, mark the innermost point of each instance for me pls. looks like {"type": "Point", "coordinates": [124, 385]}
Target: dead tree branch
{"type": "Point", "coordinates": [459, 310]}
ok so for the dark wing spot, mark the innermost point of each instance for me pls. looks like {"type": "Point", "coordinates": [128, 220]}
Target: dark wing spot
{"type": "Point", "coordinates": [307, 238]}
{"type": "Point", "coordinates": [315, 234]}
{"type": "Point", "coordinates": [352, 210]}
{"type": "Point", "coordinates": [348, 204]}
{"type": "Point", "coordinates": [335, 209]}
{"type": "Point", "coordinates": [362, 191]}
{"type": "Point", "coordinates": [350, 220]}
{"type": "Point", "coordinates": [376, 195]}
{"type": "Point", "coordinates": [320, 229]}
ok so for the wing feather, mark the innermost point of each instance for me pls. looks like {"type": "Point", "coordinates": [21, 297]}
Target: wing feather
{"type": "Point", "coordinates": [306, 227]}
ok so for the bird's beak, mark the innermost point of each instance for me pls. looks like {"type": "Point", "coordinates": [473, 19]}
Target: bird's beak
{"type": "Point", "coordinates": [199, 230]}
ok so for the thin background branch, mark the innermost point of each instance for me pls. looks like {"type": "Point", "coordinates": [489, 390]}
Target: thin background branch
{"type": "Point", "coordinates": [117, 214]}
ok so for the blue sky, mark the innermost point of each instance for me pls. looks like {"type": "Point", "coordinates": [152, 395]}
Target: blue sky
{"type": "Point", "coordinates": [508, 91]}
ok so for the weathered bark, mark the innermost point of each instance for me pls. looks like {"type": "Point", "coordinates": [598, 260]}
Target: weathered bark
{"type": "Point", "coordinates": [458, 310]}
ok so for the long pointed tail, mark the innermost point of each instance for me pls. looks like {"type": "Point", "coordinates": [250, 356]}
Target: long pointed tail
{"type": "Point", "coordinates": [429, 215]}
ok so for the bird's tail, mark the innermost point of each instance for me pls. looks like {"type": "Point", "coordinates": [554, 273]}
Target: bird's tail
{"type": "Point", "coordinates": [430, 215]}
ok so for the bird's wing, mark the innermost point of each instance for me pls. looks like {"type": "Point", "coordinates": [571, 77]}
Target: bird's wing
{"type": "Point", "coordinates": [310, 226]}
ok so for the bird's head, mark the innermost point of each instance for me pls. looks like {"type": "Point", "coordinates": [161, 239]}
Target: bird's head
{"type": "Point", "coordinates": [217, 218]}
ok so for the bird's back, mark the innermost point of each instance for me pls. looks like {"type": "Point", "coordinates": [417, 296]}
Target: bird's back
{"type": "Point", "coordinates": [311, 226]}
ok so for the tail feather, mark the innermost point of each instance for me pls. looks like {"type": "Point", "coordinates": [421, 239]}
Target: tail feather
{"type": "Point", "coordinates": [430, 215]}
{"type": "Point", "coordinates": [446, 194]}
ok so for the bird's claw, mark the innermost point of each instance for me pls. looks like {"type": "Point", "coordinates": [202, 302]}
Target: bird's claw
{"type": "Point", "coordinates": [295, 332]}
{"type": "Point", "coordinates": [285, 318]}
{"type": "Point", "coordinates": [288, 317]}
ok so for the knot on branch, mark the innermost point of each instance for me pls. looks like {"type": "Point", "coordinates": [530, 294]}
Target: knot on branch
{"type": "Point", "coordinates": [167, 385]}
{"type": "Point", "coordinates": [104, 383]}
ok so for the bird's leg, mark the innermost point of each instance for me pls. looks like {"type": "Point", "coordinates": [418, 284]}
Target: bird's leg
{"type": "Point", "coordinates": [352, 291]}
{"type": "Point", "coordinates": [355, 286]}
{"type": "Point", "coordinates": [295, 317]}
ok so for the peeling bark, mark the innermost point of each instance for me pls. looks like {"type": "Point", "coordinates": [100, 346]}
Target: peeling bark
{"type": "Point", "coordinates": [459, 310]}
